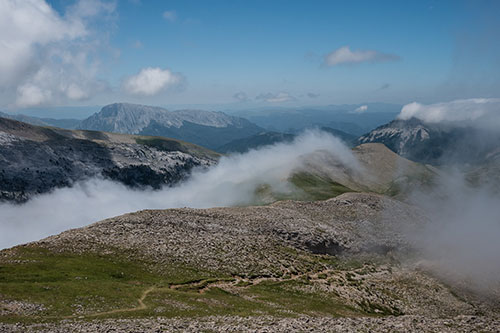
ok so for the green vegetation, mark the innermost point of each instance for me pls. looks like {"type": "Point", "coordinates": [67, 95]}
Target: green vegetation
{"type": "Point", "coordinates": [304, 187]}
{"type": "Point", "coordinates": [64, 282]}
{"type": "Point", "coordinates": [317, 187]}
{"type": "Point", "coordinates": [69, 285]}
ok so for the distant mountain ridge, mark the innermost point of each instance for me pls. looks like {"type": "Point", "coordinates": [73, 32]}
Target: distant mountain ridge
{"type": "Point", "coordinates": [207, 128]}
{"type": "Point", "coordinates": [63, 123]}
{"type": "Point", "coordinates": [134, 118]}
{"type": "Point", "coordinates": [270, 138]}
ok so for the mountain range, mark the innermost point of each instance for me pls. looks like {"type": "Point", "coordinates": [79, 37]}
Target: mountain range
{"type": "Point", "coordinates": [355, 119]}
{"type": "Point", "coordinates": [220, 131]}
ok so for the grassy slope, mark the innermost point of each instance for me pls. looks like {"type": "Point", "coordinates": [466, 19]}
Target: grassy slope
{"type": "Point", "coordinates": [88, 286]}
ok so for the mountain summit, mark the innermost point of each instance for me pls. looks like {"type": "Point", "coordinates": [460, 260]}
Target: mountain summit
{"type": "Point", "coordinates": [431, 143]}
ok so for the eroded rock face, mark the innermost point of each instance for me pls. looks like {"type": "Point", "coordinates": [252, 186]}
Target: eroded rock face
{"type": "Point", "coordinates": [35, 160]}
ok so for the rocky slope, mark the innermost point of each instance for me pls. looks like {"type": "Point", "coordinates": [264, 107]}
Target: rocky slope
{"type": "Point", "coordinates": [206, 128]}
{"type": "Point", "coordinates": [290, 266]}
{"type": "Point", "coordinates": [37, 159]}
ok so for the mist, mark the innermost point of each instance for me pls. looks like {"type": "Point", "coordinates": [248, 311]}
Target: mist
{"type": "Point", "coordinates": [233, 181]}
{"type": "Point", "coordinates": [461, 242]}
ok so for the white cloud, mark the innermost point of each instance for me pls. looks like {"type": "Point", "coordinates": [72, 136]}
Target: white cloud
{"type": "Point", "coordinates": [44, 56]}
{"type": "Point", "coordinates": [241, 96]}
{"type": "Point", "coordinates": [344, 55]}
{"type": "Point", "coordinates": [275, 98]}
{"type": "Point", "coordinates": [170, 15]}
{"type": "Point", "coordinates": [361, 109]}
{"type": "Point", "coordinates": [480, 111]}
{"type": "Point", "coordinates": [151, 81]}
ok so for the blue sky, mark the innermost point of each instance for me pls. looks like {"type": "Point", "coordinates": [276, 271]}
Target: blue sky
{"type": "Point", "coordinates": [249, 53]}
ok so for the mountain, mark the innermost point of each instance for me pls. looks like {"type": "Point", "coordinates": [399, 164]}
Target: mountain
{"type": "Point", "coordinates": [378, 170]}
{"type": "Point", "coordinates": [36, 159]}
{"type": "Point", "coordinates": [255, 141]}
{"type": "Point", "coordinates": [206, 128]}
{"type": "Point", "coordinates": [62, 123]}
{"type": "Point", "coordinates": [340, 117]}
{"type": "Point", "coordinates": [270, 138]}
{"type": "Point", "coordinates": [337, 265]}
{"type": "Point", "coordinates": [435, 143]}
{"type": "Point", "coordinates": [348, 138]}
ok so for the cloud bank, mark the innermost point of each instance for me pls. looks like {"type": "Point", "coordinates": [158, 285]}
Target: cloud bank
{"type": "Point", "coordinates": [476, 111]}
{"type": "Point", "coordinates": [151, 81]}
{"type": "Point", "coordinates": [345, 56]}
{"type": "Point", "coordinates": [232, 182]}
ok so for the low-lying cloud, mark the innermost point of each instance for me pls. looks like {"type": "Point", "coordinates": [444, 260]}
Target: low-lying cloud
{"type": "Point", "coordinates": [460, 242]}
{"type": "Point", "coordinates": [470, 112]}
{"type": "Point", "coordinates": [232, 182]}
{"type": "Point", "coordinates": [361, 109]}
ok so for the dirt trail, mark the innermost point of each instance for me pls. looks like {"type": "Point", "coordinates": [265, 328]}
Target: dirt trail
{"type": "Point", "coordinates": [203, 286]}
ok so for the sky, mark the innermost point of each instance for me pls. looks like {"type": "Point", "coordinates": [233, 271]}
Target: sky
{"type": "Point", "coordinates": [246, 53]}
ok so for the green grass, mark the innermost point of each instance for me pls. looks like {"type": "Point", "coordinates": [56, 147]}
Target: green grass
{"type": "Point", "coordinates": [60, 281]}
{"type": "Point", "coordinates": [317, 187]}
{"type": "Point", "coordinates": [65, 282]}
{"type": "Point", "coordinates": [297, 297]}
{"type": "Point", "coordinates": [304, 187]}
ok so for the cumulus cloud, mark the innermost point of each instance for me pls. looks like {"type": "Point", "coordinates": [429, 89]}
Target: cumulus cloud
{"type": "Point", "coordinates": [151, 81]}
{"type": "Point", "coordinates": [361, 109]}
{"type": "Point", "coordinates": [170, 15]}
{"type": "Point", "coordinates": [478, 111]}
{"type": "Point", "coordinates": [240, 96]}
{"type": "Point", "coordinates": [232, 182]}
{"type": "Point", "coordinates": [46, 57]}
{"type": "Point", "coordinates": [275, 98]}
{"type": "Point", "coordinates": [344, 55]}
